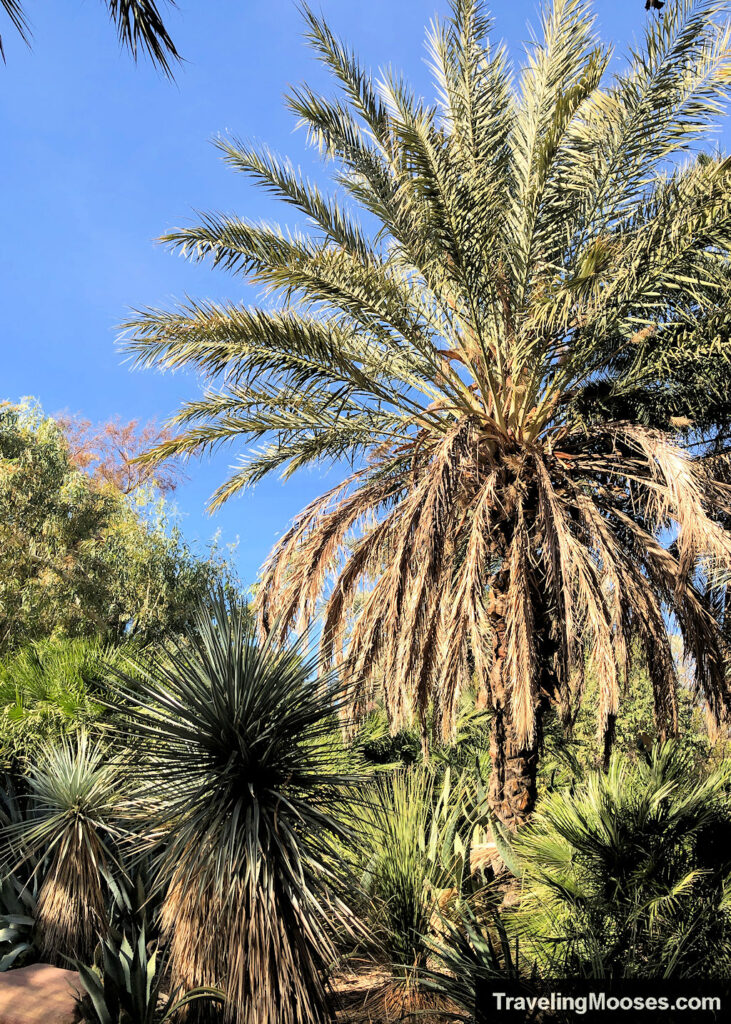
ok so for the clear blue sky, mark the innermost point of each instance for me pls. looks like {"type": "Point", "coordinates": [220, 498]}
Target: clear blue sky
{"type": "Point", "coordinates": [98, 157]}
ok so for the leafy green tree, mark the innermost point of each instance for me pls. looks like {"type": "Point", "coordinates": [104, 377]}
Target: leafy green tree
{"type": "Point", "coordinates": [139, 26]}
{"type": "Point", "coordinates": [522, 350]}
{"type": "Point", "coordinates": [80, 559]}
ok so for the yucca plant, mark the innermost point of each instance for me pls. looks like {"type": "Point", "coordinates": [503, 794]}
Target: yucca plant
{"type": "Point", "coordinates": [249, 793]}
{"type": "Point", "coordinates": [523, 351]}
{"type": "Point", "coordinates": [629, 875]}
{"type": "Point", "coordinates": [71, 829]}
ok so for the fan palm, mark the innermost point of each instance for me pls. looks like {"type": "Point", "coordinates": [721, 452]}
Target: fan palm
{"type": "Point", "coordinates": [52, 688]}
{"type": "Point", "coordinates": [249, 792]}
{"type": "Point", "coordinates": [522, 351]}
{"type": "Point", "coordinates": [139, 26]}
{"type": "Point", "coordinates": [629, 875]}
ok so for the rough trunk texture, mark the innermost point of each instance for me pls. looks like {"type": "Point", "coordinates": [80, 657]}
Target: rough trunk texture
{"type": "Point", "coordinates": [513, 787]}
{"type": "Point", "coordinates": [512, 793]}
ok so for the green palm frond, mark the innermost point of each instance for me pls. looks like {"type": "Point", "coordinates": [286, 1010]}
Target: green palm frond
{"type": "Point", "coordinates": [140, 28]}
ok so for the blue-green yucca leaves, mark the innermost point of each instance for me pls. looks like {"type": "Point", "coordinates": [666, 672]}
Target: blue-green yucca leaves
{"type": "Point", "coordinates": [495, 316]}
{"type": "Point", "coordinates": [628, 875]}
{"type": "Point", "coordinates": [72, 828]}
{"type": "Point", "coordinates": [248, 790]}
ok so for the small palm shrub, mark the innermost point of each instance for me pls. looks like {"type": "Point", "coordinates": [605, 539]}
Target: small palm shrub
{"type": "Point", "coordinates": [52, 688]}
{"type": "Point", "coordinates": [71, 828]}
{"type": "Point", "coordinates": [247, 799]}
{"type": "Point", "coordinates": [630, 874]}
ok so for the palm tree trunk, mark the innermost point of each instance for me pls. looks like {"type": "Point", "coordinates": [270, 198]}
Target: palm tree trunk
{"type": "Point", "coordinates": [513, 779]}
{"type": "Point", "coordinates": [513, 789]}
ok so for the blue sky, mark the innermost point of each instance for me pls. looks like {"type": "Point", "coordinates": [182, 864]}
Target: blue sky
{"type": "Point", "coordinates": [98, 157]}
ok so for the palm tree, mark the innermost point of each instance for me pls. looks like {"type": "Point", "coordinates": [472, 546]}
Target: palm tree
{"type": "Point", "coordinates": [521, 352]}
{"type": "Point", "coordinates": [247, 794]}
{"type": "Point", "coordinates": [139, 26]}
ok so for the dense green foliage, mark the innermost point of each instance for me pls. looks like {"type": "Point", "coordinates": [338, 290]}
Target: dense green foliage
{"type": "Point", "coordinates": [51, 688]}
{"type": "Point", "coordinates": [629, 876]}
{"type": "Point", "coordinates": [80, 559]}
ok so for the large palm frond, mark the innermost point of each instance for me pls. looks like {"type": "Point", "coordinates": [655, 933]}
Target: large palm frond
{"type": "Point", "coordinates": [140, 28]}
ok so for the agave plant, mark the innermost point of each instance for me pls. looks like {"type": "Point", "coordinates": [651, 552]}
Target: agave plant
{"type": "Point", "coordinates": [249, 793]}
{"type": "Point", "coordinates": [72, 827]}
{"type": "Point", "coordinates": [474, 954]}
{"type": "Point", "coordinates": [522, 351]}
{"type": "Point", "coordinates": [128, 986]}
{"type": "Point", "coordinates": [18, 890]}
{"type": "Point", "coordinates": [629, 875]}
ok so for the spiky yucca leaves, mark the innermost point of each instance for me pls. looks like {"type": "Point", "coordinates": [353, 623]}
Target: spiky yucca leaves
{"type": "Point", "coordinates": [73, 824]}
{"type": "Point", "coordinates": [249, 793]}
{"type": "Point", "coordinates": [628, 876]}
{"type": "Point", "coordinates": [526, 361]}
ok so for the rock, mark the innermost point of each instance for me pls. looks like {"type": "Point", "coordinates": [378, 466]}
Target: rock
{"type": "Point", "coordinates": [39, 994]}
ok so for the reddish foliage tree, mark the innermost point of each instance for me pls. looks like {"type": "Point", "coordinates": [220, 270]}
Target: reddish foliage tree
{"type": "Point", "coordinates": [106, 451]}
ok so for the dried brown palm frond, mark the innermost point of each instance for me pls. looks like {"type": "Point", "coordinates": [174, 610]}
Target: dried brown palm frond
{"type": "Point", "coordinates": [526, 363]}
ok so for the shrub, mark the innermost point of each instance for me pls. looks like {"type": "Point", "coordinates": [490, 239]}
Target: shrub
{"type": "Point", "coordinates": [628, 875]}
